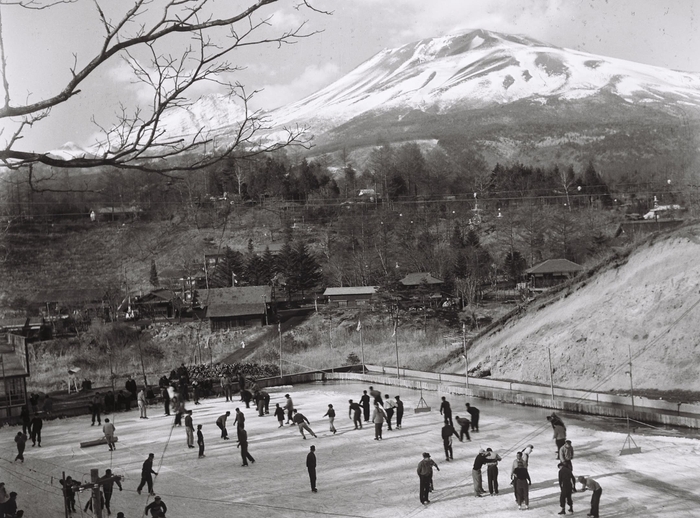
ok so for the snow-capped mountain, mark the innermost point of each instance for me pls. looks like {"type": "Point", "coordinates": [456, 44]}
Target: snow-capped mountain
{"type": "Point", "coordinates": [477, 69]}
{"type": "Point", "coordinates": [507, 98]}
{"type": "Point", "coordinates": [70, 150]}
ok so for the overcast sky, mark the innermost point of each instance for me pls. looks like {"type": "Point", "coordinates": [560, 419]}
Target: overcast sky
{"type": "Point", "coordinates": [40, 46]}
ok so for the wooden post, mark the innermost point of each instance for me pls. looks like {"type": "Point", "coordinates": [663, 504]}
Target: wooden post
{"type": "Point", "coordinates": [96, 503]}
{"type": "Point", "coordinates": [396, 341]}
{"type": "Point", "coordinates": [551, 380]}
{"type": "Point", "coordinates": [362, 346]}
{"type": "Point", "coordinates": [629, 348]}
{"type": "Point", "coordinates": [65, 495]}
{"type": "Point", "coordinates": [466, 360]}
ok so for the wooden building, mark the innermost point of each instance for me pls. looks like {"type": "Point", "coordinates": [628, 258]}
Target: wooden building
{"type": "Point", "coordinates": [350, 295]}
{"type": "Point", "coordinates": [243, 306]}
{"type": "Point", "coordinates": [14, 369]}
{"type": "Point", "coordinates": [552, 272]}
{"type": "Point", "coordinates": [417, 279]}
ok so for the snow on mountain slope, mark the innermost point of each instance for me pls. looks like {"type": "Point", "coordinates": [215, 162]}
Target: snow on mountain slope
{"type": "Point", "coordinates": [481, 68]}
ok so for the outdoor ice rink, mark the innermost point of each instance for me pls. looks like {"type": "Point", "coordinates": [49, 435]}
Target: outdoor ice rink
{"type": "Point", "coordinates": [357, 476]}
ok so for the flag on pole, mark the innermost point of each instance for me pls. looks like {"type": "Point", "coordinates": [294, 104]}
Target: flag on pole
{"type": "Point", "coordinates": [279, 327]}
{"type": "Point", "coordinates": [396, 323]}
{"type": "Point", "coordinates": [359, 325]}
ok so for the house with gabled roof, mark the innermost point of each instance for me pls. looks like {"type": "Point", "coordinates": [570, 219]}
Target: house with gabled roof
{"type": "Point", "coordinates": [350, 295]}
{"type": "Point", "coordinates": [233, 307]}
{"type": "Point", "coordinates": [14, 370]}
{"type": "Point", "coordinates": [552, 272]}
{"type": "Point", "coordinates": [414, 280]}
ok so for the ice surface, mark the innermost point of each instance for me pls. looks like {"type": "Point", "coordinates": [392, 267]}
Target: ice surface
{"type": "Point", "coordinates": [357, 476]}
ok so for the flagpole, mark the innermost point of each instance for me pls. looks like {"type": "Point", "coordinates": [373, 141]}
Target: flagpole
{"type": "Point", "coordinates": [396, 342]}
{"type": "Point", "coordinates": [279, 331]}
{"type": "Point", "coordinates": [362, 345]}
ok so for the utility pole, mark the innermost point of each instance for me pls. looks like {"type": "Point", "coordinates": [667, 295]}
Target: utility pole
{"type": "Point", "coordinates": [362, 345]}
{"type": "Point", "coordinates": [629, 348]}
{"type": "Point", "coordinates": [551, 379]}
{"type": "Point", "coordinates": [396, 341]}
{"type": "Point", "coordinates": [466, 358]}
{"type": "Point", "coordinates": [279, 331]}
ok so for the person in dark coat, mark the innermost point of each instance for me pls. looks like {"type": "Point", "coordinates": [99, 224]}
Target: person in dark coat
{"type": "Point", "coordinates": [146, 472]}
{"type": "Point", "coordinates": [463, 423]}
{"type": "Point", "coordinates": [10, 507]}
{"type": "Point", "coordinates": [521, 477]}
{"type": "Point", "coordinates": [243, 445]}
{"type": "Point", "coordinates": [474, 413]}
{"type": "Point", "coordinates": [166, 400]}
{"type": "Point", "coordinates": [446, 410]}
{"type": "Point", "coordinates": [476, 473]}
{"type": "Point", "coordinates": [364, 401]}
{"type": "Point", "coordinates": [289, 407]}
{"type": "Point", "coordinates": [355, 413]}
{"type": "Point", "coordinates": [121, 402]}
{"type": "Point", "coordinates": [239, 421]}
{"type": "Point", "coordinates": [34, 401]}
{"type": "Point", "coordinates": [279, 414]}
{"type": "Point", "coordinates": [492, 460]}
{"type": "Point", "coordinates": [399, 411]}
{"type": "Point", "coordinates": [108, 488]}
{"type": "Point", "coordinates": [70, 486]}
{"type": "Point", "coordinates": [266, 401]}
{"type": "Point", "coordinates": [425, 474]}
{"type": "Point", "coordinates": [311, 467]}
{"type": "Point", "coordinates": [95, 408]}
{"type": "Point", "coordinates": [131, 388]}
{"type": "Point", "coordinates": [376, 395]}
{"type": "Point", "coordinates": [21, 441]}
{"type": "Point", "coordinates": [565, 488]}
{"type": "Point", "coordinates": [302, 422]}
{"type": "Point", "coordinates": [331, 418]}
{"type": "Point", "coordinates": [447, 433]}
{"type": "Point", "coordinates": [26, 420]}
{"type": "Point", "coordinates": [200, 440]}
{"type": "Point", "coordinates": [157, 508]}
{"type": "Point", "coordinates": [37, 425]}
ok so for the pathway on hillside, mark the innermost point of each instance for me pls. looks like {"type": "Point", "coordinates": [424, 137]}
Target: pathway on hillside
{"type": "Point", "coordinates": [291, 319]}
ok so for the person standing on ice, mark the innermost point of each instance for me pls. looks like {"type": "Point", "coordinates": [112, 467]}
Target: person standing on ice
{"type": "Point", "coordinates": [389, 408]}
{"type": "Point", "coordinates": [21, 440]}
{"type": "Point", "coordinates": [565, 488]}
{"type": "Point", "coordinates": [446, 410]}
{"type": "Point", "coordinates": [243, 445]}
{"type": "Point", "coordinates": [289, 407]}
{"type": "Point", "coordinates": [559, 435]}
{"type": "Point", "coordinates": [311, 467]}
{"type": "Point", "coordinates": [492, 460]}
{"type": "Point", "coordinates": [425, 474]}
{"type": "Point", "coordinates": [566, 455]}
{"type": "Point", "coordinates": [239, 421]}
{"type": "Point", "coordinates": [589, 483]}
{"type": "Point", "coordinates": [522, 486]}
{"type": "Point", "coordinates": [399, 411]}
{"type": "Point", "coordinates": [364, 401]}
{"type": "Point", "coordinates": [354, 413]}
{"type": "Point", "coordinates": [189, 429]}
{"type": "Point", "coordinates": [522, 457]}
{"type": "Point", "coordinates": [331, 417]}
{"type": "Point", "coordinates": [447, 433]}
{"type": "Point", "coordinates": [279, 414]}
{"type": "Point", "coordinates": [141, 400]}
{"type": "Point", "coordinates": [476, 473]}
{"type": "Point", "coordinates": [303, 423]}
{"type": "Point", "coordinates": [200, 440]}
{"type": "Point", "coordinates": [378, 417]}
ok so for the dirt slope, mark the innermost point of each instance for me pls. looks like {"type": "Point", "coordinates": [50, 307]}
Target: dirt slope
{"type": "Point", "coordinates": [649, 302]}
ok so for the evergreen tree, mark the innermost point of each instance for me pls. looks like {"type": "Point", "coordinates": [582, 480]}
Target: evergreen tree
{"type": "Point", "coordinates": [268, 266]}
{"type": "Point", "coordinates": [307, 270]}
{"type": "Point", "coordinates": [472, 239]}
{"type": "Point", "coordinates": [514, 264]}
{"type": "Point", "coordinates": [457, 241]}
{"type": "Point", "coordinates": [154, 274]}
{"type": "Point", "coordinates": [254, 270]}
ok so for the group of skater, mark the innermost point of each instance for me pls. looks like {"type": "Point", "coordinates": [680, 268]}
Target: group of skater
{"type": "Point", "coordinates": [519, 474]}
{"type": "Point", "coordinates": [383, 411]}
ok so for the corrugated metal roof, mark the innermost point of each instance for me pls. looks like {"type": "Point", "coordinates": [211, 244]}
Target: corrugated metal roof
{"type": "Point", "coordinates": [555, 266]}
{"type": "Point", "coordinates": [350, 290]}
{"type": "Point", "coordinates": [416, 279]}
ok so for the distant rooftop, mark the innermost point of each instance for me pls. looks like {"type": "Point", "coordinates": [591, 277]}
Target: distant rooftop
{"type": "Point", "coordinates": [417, 278]}
{"type": "Point", "coordinates": [555, 266]}
{"type": "Point", "coordinates": [350, 290]}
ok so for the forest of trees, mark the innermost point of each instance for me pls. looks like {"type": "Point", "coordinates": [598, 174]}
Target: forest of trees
{"type": "Point", "coordinates": [440, 210]}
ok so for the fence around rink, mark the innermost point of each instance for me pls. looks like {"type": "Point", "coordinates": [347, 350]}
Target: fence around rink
{"type": "Point", "coordinates": [531, 394]}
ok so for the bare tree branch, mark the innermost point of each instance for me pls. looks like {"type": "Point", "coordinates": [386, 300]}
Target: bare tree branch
{"type": "Point", "coordinates": [139, 140]}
